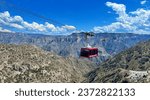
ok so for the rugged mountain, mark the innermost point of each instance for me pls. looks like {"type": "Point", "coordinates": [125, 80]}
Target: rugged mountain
{"type": "Point", "coordinates": [25, 63]}
{"type": "Point", "coordinates": [109, 44]}
{"type": "Point", "coordinates": [132, 65]}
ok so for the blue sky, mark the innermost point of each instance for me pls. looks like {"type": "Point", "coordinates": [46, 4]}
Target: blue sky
{"type": "Point", "coordinates": [86, 15]}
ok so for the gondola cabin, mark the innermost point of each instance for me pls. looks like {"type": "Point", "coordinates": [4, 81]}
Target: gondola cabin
{"type": "Point", "coordinates": [89, 52]}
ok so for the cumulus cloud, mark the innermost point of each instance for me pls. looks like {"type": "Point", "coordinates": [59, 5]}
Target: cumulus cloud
{"type": "Point", "coordinates": [19, 24]}
{"type": "Point", "coordinates": [16, 26]}
{"type": "Point", "coordinates": [143, 2]}
{"type": "Point", "coordinates": [135, 22]}
{"type": "Point", "coordinates": [50, 27]}
{"type": "Point", "coordinates": [67, 27]}
{"type": "Point", "coordinates": [119, 8]}
{"type": "Point", "coordinates": [4, 30]}
{"type": "Point", "coordinates": [63, 28]}
{"type": "Point", "coordinates": [34, 26]}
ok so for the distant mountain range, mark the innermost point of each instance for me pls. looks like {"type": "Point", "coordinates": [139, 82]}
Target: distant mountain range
{"type": "Point", "coordinates": [109, 44]}
{"type": "Point", "coordinates": [132, 65]}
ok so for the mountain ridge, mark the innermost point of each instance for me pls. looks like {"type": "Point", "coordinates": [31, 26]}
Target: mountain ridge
{"type": "Point", "coordinates": [70, 45]}
{"type": "Point", "coordinates": [131, 65]}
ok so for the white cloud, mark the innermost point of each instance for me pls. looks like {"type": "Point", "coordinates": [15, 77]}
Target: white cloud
{"type": "Point", "coordinates": [7, 20]}
{"type": "Point", "coordinates": [136, 21]}
{"type": "Point", "coordinates": [4, 30]}
{"type": "Point", "coordinates": [18, 23]}
{"type": "Point", "coordinates": [62, 28]}
{"type": "Point", "coordinates": [50, 26]}
{"type": "Point", "coordinates": [16, 26]}
{"type": "Point", "coordinates": [17, 19]}
{"type": "Point", "coordinates": [34, 26]}
{"type": "Point", "coordinates": [143, 2]}
{"type": "Point", "coordinates": [119, 8]}
{"type": "Point", "coordinates": [115, 27]}
{"type": "Point", "coordinates": [67, 27]}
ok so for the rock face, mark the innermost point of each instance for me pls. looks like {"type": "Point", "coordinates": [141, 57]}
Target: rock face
{"type": "Point", "coordinates": [131, 65]}
{"type": "Point", "coordinates": [109, 44]}
{"type": "Point", "coordinates": [25, 63]}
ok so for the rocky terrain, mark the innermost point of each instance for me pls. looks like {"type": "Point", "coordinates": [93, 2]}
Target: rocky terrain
{"type": "Point", "coordinates": [109, 44]}
{"type": "Point", "coordinates": [26, 58]}
{"type": "Point", "coordinates": [132, 65]}
{"type": "Point", "coordinates": [26, 64]}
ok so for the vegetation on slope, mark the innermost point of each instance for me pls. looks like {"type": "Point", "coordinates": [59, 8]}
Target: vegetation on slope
{"type": "Point", "coordinates": [24, 63]}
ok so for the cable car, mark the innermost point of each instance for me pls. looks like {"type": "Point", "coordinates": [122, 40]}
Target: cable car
{"type": "Point", "coordinates": [89, 52]}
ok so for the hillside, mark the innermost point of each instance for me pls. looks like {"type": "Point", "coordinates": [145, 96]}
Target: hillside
{"type": "Point", "coordinates": [70, 45]}
{"type": "Point", "coordinates": [132, 65]}
{"type": "Point", "coordinates": [25, 63]}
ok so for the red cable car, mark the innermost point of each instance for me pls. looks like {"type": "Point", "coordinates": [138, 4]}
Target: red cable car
{"type": "Point", "coordinates": [89, 52]}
